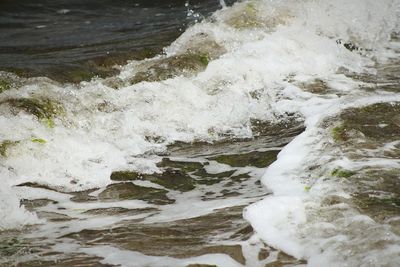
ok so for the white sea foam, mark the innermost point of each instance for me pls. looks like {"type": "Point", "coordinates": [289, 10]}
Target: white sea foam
{"type": "Point", "coordinates": [283, 44]}
{"type": "Point", "coordinates": [115, 256]}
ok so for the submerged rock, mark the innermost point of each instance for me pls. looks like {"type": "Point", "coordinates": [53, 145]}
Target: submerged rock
{"type": "Point", "coordinates": [169, 178]}
{"type": "Point", "coordinates": [193, 57]}
{"type": "Point", "coordinates": [349, 45]}
{"type": "Point", "coordinates": [234, 251]}
{"type": "Point", "coordinates": [125, 176]}
{"type": "Point", "coordinates": [159, 69]}
{"type": "Point", "coordinates": [119, 211]}
{"type": "Point", "coordinates": [380, 122]}
{"type": "Point", "coordinates": [43, 109]}
{"type": "Point", "coordinates": [316, 86]}
{"type": "Point", "coordinates": [127, 191]}
{"type": "Point", "coordinates": [285, 128]}
{"type": "Point", "coordinates": [33, 204]}
{"type": "Point", "coordinates": [203, 177]}
{"type": "Point", "coordinates": [342, 173]}
{"type": "Point", "coordinates": [370, 135]}
{"type": "Point", "coordinates": [284, 259]}
{"type": "Point", "coordinates": [172, 179]}
{"type": "Point", "coordinates": [190, 237]}
{"type": "Point", "coordinates": [256, 158]}
{"type": "Point", "coordinates": [378, 195]}
{"type": "Point", "coordinates": [186, 166]}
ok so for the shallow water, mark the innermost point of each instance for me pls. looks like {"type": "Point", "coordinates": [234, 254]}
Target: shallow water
{"type": "Point", "coordinates": [266, 135]}
{"type": "Point", "coordinates": [153, 221]}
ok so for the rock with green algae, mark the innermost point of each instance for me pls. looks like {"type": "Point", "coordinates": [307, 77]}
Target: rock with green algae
{"type": "Point", "coordinates": [259, 159]}
{"type": "Point", "coordinates": [250, 15]}
{"type": "Point", "coordinates": [376, 191]}
{"type": "Point", "coordinates": [159, 69]}
{"type": "Point", "coordinates": [380, 208]}
{"type": "Point", "coordinates": [179, 175]}
{"type": "Point", "coordinates": [203, 177]}
{"type": "Point", "coordinates": [172, 179]}
{"type": "Point", "coordinates": [380, 121]}
{"type": "Point", "coordinates": [244, 17]}
{"type": "Point", "coordinates": [169, 178]}
{"type": "Point", "coordinates": [5, 85]}
{"type": "Point", "coordinates": [5, 146]}
{"type": "Point", "coordinates": [198, 171]}
{"type": "Point", "coordinates": [44, 109]}
{"type": "Point", "coordinates": [41, 108]}
{"type": "Point", "coordinates": [125, 176]}
{"type": "Point", "coordinates": [342, 173]}
{"type": "Point", "coordinates": [127, 191]}
{"type": "Point", "coordinates": [187, 166]}
{"type": "Point", "coordinates": [339, 133]}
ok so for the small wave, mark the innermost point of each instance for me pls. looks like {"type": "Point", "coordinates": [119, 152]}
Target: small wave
{"type": "Point", "coordinates": [274, 61]}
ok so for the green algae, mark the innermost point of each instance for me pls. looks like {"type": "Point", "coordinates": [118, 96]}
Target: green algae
{"type": "Point", "coordinates": [342, 173]}
{"type": "Point", "coordinates": [5, 85]}
{"type": "Point", "coordinates": [45, 110]}
{"type": "Point", "coordinates": [38, 140]}
{"type": "Point", "coordinates": [339, 133]}
{"type": "Point", "coordinates": [5, 146]}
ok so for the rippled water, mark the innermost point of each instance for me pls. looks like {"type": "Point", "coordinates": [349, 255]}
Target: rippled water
{"type": "Point", "coordinates": [265, 135]}
{"type": "Point", "coordinates": [75, 40]}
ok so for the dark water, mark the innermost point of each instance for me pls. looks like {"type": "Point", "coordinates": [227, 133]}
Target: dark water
{"type": "Point", "coordinates": [71, 40]}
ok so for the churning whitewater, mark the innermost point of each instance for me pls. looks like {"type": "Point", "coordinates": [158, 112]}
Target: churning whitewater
{"type": "Point", "coordinates": [315, 63]}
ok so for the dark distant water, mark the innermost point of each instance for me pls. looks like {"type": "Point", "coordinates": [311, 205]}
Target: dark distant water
{"type": "Point", "coordinates": [75, 39]}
